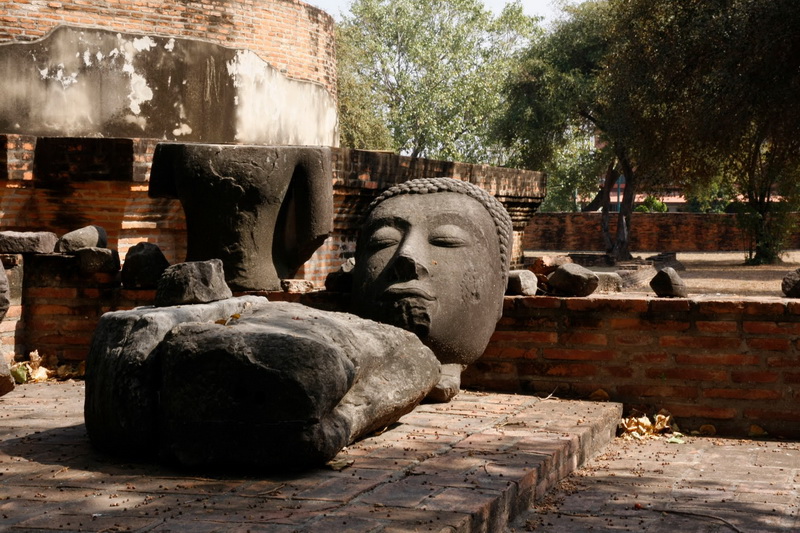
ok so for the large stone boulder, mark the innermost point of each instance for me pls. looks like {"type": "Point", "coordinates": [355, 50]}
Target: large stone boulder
{"type": "Point", "coordinates": [668, 284]}
{"type": "Point", "coordinates": [86, 237]}
{"type": "Point", "coordinates": [122, 376]}
{"type": "Point", "coordinates": [195, 282]}
{"type": "Point", "coordinates": [248, 383]}
{"type": "Point", "coordinates": [571, 279]}
{"type": "Point", "coordinates": [522, 283]}
{"type": "Point", "coordinates": [27, 242]}
{"type": "Point", "coordinates": [144, 265]}
{"type": "Point", "coordinates": [93, 259]}
{"type": "Point", "coordinates": [286, 386]}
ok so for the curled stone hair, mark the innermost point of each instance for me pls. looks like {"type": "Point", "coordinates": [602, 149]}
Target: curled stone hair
{"type": "Point", "coordinates": [502, 220]}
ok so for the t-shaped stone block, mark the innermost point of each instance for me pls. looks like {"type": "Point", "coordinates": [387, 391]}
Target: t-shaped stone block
{"type": "Point", "coordinates": [262, 210]}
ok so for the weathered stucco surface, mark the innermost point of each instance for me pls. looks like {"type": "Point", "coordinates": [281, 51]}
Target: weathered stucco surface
{"type": "Point", "coordinates": [89, 82]}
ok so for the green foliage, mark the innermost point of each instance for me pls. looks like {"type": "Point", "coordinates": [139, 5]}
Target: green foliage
{"type": "Point", "coordinates": [711, 88]}
{"type": "Point", "coordinates": [765, 235]}
{"type": "Point", "coordinates": [430, 71]}
{"type": "Point", "coordinates": [572, 174]}
{"type": "Point", "coordinates": [554, 92]}
{"type": "Point", "coordinates": [651, 204]}
{"type": "Point", "coordinates": [715, 197]}
{"type": "Point", "coordinates": [361, 121]}
{"type": "Point", "coordinates": [559, 89]}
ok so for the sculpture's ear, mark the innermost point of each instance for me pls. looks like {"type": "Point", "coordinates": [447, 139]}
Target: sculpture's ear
{"type": "Point", "coordinates": [306, 216]}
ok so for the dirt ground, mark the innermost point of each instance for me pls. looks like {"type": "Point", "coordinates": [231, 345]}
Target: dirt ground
{"type": "Point", "coordinates": [726, 274]}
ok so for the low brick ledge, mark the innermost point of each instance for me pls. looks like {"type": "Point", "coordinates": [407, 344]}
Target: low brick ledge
{"type": "Point", "coordinates": [467, 466]}
{"type": "Point", "coordinates": [732, 362]}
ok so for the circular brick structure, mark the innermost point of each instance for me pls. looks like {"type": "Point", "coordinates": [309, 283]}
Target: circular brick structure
{"type": "Point", "coordinates": [294, 37]}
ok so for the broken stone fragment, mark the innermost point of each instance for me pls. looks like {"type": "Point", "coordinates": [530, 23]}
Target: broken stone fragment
{"type": "Point", "coordinates": [144, 265]}
{"type": "Point", "coordinates": [448, 386]}
{"type": "Point", "coordinates": [262, 210]}
{"type": "Point", "coordinates": [6, 379]}
{"type": "Point", "coordinates": [522, 283]}
{"type": "Point", "coordinates": [668, 284]}
{"type": "Point", "coordinates": [94, 259]}
{"type": "Point", "coordinates": [791, 284]}
{"type": "Point", "coordinates": [27, 242]}
{"type": "Point", "coordinates": [87, 237]}
{"type": "Point", "coordinates": [5, 293]}
{"type": "Point", "coordinates": [609, 282]}
{"type": "Point", "coordinates": [571, 279]}
{"type": "Point", "coordinates": [196, 282]}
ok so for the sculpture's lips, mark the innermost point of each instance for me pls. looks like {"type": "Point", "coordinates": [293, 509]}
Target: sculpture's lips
{"type": "Point", "coordinates": [402, 290]}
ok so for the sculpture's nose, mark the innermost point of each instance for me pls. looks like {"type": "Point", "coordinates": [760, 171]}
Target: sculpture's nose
{"type": "Point", "coordinates": [410, 258]}
{"type": "Point", "coordinates": [406, 268]}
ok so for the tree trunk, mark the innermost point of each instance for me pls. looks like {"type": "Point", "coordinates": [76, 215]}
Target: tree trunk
{"type": "Point", "coordinates": [621, 248]}
{"type": "Point", "coordinates": [605, 201]}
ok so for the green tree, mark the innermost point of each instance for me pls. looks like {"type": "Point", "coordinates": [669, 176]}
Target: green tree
{"type": "Point", "coordinates": [430, 70]}
{"type": "Point", "coordinates": [361, 122]}
{"type": "Point", "coordinates": [559, 90]}
{"type": "Point", "coordinates": [651, 204]}
{"type": "Point", "coordinates": [711, 88]}
{"type": "Point", "coordinates": [572, 174]}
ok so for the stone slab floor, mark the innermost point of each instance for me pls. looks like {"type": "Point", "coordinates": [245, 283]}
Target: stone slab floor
{"type": "Point", "coordinates": [703, 485]}
{"type": "Point", "coordinates": [470, 465]}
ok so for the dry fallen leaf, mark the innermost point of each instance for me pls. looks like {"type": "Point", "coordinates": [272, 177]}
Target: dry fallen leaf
{"type": "Point", "coordinates": [641, 427]}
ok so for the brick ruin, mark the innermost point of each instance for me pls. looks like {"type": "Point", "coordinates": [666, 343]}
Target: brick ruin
{"type": "Point", "coordinates": [728, 362]}
{"type": "Point", "coordinates": [61, 184]}
{"type": "Point", "coordinates": [656, 232]}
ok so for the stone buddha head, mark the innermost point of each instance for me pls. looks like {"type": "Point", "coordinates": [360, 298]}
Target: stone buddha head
{"type": "Point", "coordinates": [433, 258]}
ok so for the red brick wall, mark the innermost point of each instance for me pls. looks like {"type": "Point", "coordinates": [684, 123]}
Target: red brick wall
{"type": "Point", "coordinates": [662, 232]}
{"type": "Point", "coordinates": [296, 38]}
{"type": "Point", "coordinates": [730, 363]}
{"type": "Point", "coordinates": [130, 216]}
{"type": "Point", "coordinates": [60, 320]}
{"type": "Point", "coordinates": [122, 208]}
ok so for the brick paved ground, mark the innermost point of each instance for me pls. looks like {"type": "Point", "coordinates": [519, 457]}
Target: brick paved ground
{"type": "Point", "coordinates": [704, 485]}
{"type": "Point", "coordinates": [459, 467]}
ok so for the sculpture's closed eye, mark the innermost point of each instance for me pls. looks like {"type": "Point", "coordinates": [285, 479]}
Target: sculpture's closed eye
{"type": "Point", "coordinates": [450, 236]}
{"type": "Point", "coordinates": [384, 238]}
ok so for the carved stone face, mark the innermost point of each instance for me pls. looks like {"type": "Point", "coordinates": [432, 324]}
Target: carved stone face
{"type": "Point", "coordinates": [430, 263]}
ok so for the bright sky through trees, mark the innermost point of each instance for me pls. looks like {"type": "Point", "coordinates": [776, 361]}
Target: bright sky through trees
{"type": "Point", "coordinates": [541, 8]}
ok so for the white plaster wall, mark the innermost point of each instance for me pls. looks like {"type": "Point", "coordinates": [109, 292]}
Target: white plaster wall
{"type": "Point", "coordinates": [88, 82]}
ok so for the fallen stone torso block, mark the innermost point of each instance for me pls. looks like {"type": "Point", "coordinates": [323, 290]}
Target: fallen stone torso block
{"type": "Point", "coordinates": [281, 386]}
